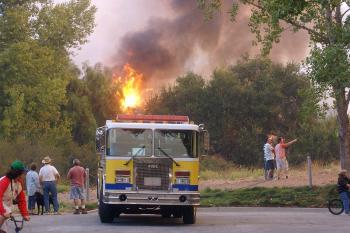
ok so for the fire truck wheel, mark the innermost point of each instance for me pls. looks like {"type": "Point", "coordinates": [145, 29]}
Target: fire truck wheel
{"type": "Point", "coordinates": [105, 211]}
{"type": "Point", "coordinates": [189, 215]}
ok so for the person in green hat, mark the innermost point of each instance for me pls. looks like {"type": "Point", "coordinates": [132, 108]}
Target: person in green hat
{"type": "Point", "coordinates": [11, 193]}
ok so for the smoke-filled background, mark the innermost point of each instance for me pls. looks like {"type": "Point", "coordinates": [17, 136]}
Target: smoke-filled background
{"type": "Point", "coordinates": [165, 39]}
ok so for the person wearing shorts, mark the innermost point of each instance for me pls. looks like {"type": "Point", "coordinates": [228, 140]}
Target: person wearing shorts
{"type": "Point", "coordinates": [281, 156]}
{"type": "Point", "coordinates": [77, 177]}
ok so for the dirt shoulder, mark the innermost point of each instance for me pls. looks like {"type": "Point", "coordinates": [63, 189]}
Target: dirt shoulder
{"type": "Point", "coordinates": [297, 177]}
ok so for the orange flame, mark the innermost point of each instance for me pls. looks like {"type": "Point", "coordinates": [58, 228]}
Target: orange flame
{"type": "Point", "coordinates": [130, 96]}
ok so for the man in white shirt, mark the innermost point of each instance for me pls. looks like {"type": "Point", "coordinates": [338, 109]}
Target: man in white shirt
{"type": "Point", "coordinates": [269, 157]}
{"type": "Point", "coordinates": [48, 176]}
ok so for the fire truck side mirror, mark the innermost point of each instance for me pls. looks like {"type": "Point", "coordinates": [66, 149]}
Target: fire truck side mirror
{"type": "Point", "coordinates": [205, 144]}
{"type": "Point", "coordinates": [100, 140]}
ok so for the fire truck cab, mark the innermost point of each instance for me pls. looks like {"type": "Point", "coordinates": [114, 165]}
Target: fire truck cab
{"type": "Point", "coordinates": [149, 164]}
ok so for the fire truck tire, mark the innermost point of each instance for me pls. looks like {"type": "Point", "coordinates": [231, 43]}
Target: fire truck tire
{"type": "Point", "coordinates": [189, 215]}
{"type": "Point", "coordinates": [105, 211]}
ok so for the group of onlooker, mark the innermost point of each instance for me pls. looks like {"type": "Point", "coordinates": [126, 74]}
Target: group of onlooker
{"type": "Point", "coordinates": [45, 183]}
{"type": "Point", "coordinates": [276, 157]}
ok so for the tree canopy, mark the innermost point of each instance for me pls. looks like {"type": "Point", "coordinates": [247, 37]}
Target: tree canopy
{"type": "Point", "coordinates": [241, 104]}
{"type": "Point", "coordinates": [35, 66]}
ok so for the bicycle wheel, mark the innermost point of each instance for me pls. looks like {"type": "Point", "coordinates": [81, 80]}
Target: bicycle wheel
{"type": "Point", "coordinates": [335, 206]}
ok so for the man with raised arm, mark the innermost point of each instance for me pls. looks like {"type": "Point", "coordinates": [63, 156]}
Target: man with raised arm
{"type": "Point", "coordinates": [281, 156]}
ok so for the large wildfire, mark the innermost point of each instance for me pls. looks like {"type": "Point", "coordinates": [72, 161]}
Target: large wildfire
{"type": "Point", "coordinates": [130, 89]}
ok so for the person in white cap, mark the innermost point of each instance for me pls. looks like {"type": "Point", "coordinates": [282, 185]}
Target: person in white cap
{"type": "Point", "coordinates": [48, 176]}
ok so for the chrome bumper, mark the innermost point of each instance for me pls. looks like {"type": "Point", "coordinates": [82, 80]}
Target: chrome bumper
{"type": "Point", "coordinates": [152, 198]}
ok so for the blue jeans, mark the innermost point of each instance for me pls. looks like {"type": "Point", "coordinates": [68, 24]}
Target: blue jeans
{"type": "Point", "coordinates": [31, 202]}
{"type": "Point", "coordinates": [49, 187]}
{"type": "Point", "coordinates": [345, 199]}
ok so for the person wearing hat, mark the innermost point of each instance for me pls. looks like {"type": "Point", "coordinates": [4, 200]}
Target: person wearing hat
{"type": "Point", "coordinates": [11, 193]}
{"type": "Point", "coordinates": [343, 189]}
{"type": "Point", "coordinates": [48, 176]}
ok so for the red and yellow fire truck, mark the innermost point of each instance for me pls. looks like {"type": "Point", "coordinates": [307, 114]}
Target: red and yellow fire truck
{"type": "Point", "coordinates": [149, 164]}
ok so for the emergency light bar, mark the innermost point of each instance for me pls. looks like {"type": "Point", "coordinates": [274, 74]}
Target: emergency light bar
{"type": "Point", "coordinates": [173, 119]}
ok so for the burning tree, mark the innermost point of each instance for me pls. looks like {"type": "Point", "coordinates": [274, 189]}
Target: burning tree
{"type": "Point", "coordinates": [130, 89]}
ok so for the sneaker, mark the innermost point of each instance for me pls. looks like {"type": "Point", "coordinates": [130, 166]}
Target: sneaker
{"type": "Point", "coordinates": [56, 213]}
{"type": "Point", "coordinates": [76, 211]}
{"type": "Point", "coordinates": [83, 211]}
{"type": "Point", "coordinates": [47, 213]}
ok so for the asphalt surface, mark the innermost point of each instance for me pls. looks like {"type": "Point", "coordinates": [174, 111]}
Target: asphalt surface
{"type": "Point", "coordinates": [209, 220]}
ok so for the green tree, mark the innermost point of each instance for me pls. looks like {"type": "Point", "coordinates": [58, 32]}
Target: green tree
{"type": "Point", "coordinates": [184, 98]}
{"type": "Point", "coordinates": [328, 24]}
{"type": "Point", "coordinates": [35, 40]}
{"type": "Point", "coordinates": [102, 93]}
{"type": "Point", "coordinates": [79, 110]}
{"type": "Point", "coordinates": [244, 102]}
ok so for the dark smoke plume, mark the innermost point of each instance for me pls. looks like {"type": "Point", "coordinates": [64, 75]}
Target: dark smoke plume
{"type": "Point", "coordinates": [167, 48]}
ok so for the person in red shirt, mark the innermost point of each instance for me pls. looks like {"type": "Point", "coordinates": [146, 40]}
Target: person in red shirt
{"type": "Point", "coordinates": [11, 193]}
{"type": "Point", "coordinates": [77, 177]}
{"type": "Point", "coordinates": [281, 156]}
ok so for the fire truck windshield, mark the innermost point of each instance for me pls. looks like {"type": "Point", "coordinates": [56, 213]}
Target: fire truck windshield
{"type": "Point", "coordinates": [129, 142]}
{"type": "Point", "coordinates": [139, 143]}
{"type": "Point", "coordinates": [176, 143]}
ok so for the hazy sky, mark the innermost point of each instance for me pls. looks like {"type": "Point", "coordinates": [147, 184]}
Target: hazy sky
{"type": "Point", "coordinates": [167, 38]}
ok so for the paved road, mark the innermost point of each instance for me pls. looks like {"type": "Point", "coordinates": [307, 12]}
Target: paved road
{"type": "Point", "coordinates": [209, 220]}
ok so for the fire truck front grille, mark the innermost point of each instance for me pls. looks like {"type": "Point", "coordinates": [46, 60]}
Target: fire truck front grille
{"type": "Point", "coordinates": [152, 173]}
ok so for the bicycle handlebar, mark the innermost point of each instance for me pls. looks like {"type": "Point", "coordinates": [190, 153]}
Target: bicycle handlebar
{"type": "Point", "coordinates": [18, 223]}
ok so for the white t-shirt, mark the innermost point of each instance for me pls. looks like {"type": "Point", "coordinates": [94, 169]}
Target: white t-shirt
{"type": "Point", "coordinates": [48, 173]}
{"type": "Point", "coordinates": [268, 152]}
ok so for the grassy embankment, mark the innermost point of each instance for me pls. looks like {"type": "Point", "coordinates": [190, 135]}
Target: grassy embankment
{"type": "Point", "coordinates": [246, 186]}
{"type": "Point", "coordinates": [215, 168]}
{"type": "Point", "coordinates": [254, 197]}
{"type": "Point", "coordinates": [260, 196]}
